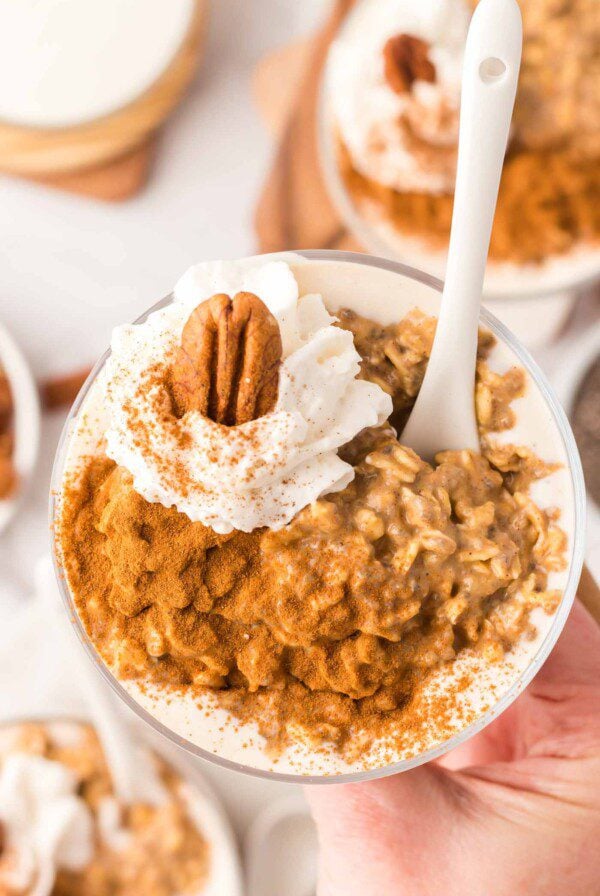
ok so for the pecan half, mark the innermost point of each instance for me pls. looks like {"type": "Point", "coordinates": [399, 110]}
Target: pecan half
{"type": "Point", "coordinates": [406, 60]}
{"type": "Point", "coordinates": [227, 366]}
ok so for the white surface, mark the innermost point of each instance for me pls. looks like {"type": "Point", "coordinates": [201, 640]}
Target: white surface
{"type": "Point", "coordinates": [63, 62]}
{"type": "Point", "coordinates": [71, 268]}
{"type": "Point", "coordinates": [445, 419]}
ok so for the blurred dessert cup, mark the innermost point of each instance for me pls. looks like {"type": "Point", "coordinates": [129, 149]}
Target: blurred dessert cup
{"type": "Point", "coordinates": [65, 831]}
{"type": "Point", "coordinates": [388, 132]}
{"type": "Point", "coordinates": [19, 425]}
{"type": "Point", "coordinates": [85, 82]}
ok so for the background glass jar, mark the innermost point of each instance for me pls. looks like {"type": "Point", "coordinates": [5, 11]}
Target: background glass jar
{"type": "Point", "coordinates": [533, 300]}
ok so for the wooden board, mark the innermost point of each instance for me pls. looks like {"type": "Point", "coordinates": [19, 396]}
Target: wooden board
{"type": "Point", "coordinates": [115, 181]}
{"type": "Point", "coordinates": [275, 81]}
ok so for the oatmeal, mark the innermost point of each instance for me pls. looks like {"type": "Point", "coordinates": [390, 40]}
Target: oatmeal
{"type": "Point", "coordinates": [136, 849]}
{"type": "Point", "coordinates": [328, 626]}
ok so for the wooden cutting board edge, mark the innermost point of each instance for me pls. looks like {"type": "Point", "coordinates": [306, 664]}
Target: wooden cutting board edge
{"type": "Point", "coordinates": [116, 181]}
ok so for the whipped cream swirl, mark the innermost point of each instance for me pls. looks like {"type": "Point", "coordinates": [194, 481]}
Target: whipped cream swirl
{"type": "Point", "coordinates": [46, 825]}
{"type": "Point", "coordinates": [261, 473]}
{"type": "Point", "coordinates": [406, 141]}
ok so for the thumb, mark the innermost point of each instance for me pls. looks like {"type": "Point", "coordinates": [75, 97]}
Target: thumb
{"type": "Point", "coordinates": [559, 714]}
{"type": "Point", "coordinates": [385, 819]}
{"type": "Point", "coordinates": [555, 724]}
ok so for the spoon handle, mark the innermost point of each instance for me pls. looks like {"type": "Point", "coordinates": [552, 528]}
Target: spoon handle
{"type": "Point", "coordinates": [490, 72]}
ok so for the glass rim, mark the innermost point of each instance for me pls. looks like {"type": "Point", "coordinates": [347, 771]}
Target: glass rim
{"type": "Point", "coordinates": [558, 621]}
{"type": "Point", "coordinates": [375, 243]}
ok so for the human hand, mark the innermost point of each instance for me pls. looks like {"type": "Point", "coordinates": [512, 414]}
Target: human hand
{"type": "Point", "coordinates": [515, 811]}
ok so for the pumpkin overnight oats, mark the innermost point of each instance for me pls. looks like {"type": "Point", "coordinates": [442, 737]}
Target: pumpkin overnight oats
{"type": "Point", "coordinates": [394, 85]}
{"type": "Point", "coordinates": [248, 533]}
{"type": "Point", "coordinates": [65, 833]}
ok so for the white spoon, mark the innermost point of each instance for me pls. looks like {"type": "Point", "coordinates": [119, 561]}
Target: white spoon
{"type": "Point", "coordinates": [444, 414]}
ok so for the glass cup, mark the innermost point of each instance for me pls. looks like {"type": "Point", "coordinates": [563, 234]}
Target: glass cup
{"type": "Point", "coordinates": [534, 301]}
{"type": "Point", "coordinates": [203, 806]}
{"type": "Point", "coordinates": [384, 290]}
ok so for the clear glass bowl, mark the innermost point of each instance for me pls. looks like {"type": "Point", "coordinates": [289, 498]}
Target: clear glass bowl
{"type": "Point", "coordinates": [533, 301]}
{"type": "Point", "coordinates": [576, 491]}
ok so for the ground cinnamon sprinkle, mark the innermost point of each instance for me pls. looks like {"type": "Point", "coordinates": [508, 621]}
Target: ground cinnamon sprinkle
{"type": "Point", "coordinates": [328, 629]}
{"type": "Point", "coordinates": [549, 202]}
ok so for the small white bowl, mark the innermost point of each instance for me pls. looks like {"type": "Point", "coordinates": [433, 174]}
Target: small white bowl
{"type": "Point", "coordinates": [225, 876]}
{"type": "Point", "coordinates": [26, 420]}
{"type": "Point", "coordinates": [282, 830]}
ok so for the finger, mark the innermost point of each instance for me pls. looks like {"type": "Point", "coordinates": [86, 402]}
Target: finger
{"type": "Point", "coordinates": [575, 660]}
{"type": "Point", "coordinates": [372, 809]}
{"type": "Point", "coordinates": [571, 672]}
{"type": "Point", "coordinates": [557, 718]}
{"type": "Point", "coordinates": [383, 820]}
{"type": "Point", "coordinates": [493, 744]}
